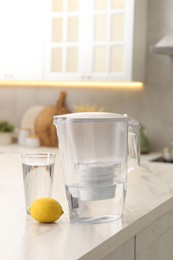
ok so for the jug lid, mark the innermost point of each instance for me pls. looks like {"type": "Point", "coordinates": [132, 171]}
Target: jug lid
{"type": "Point", "coordinates": [91, 116]}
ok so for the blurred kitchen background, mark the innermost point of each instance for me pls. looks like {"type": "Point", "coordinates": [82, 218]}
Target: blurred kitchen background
{"type": "Point", "coordinates": [152, 105]}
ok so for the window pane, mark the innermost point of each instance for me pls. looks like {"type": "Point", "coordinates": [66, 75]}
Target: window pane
{"type": "Point", "coordinates": [56, 60]}
{"type": "Point", "coordinates": [57, 5]}
{"type": "Point", "coordinates": [57, 30]}
{"type": "Point", "coordinates": [73, 5]}
{"type": "Point", "coordinates": [99, 59]}
{"type": "Point", "coordinates": [101, 4]}
{"type": "Point", "coordinates": [118, 4]}
{"type": "Point", "coordinates": [117, 59]}
{"type": "Point", "coordinates": [72, 59]}
{"type": "Point", "coordinates": [117, 32]}
{"type": "Point", "coordinates": [100, 28]}
{"type": "Point", "coordinates": [72, 31]}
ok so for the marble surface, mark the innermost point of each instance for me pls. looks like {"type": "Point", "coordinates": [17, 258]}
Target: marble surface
{"type": "Point", "coordinates": [150, 194]}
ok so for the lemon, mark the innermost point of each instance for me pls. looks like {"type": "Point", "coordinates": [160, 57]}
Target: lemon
{"type": "Point", "coordinates": [46, 210]}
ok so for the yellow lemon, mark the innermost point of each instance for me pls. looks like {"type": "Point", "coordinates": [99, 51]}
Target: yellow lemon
{"type": "Point", "coordinates": [46, 210]}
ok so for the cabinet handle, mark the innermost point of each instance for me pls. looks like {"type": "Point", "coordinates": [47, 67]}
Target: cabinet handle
{"type": "Point", "coordinates": [8, 76]}
{"type": "Point", "coordinates": [85, 77]}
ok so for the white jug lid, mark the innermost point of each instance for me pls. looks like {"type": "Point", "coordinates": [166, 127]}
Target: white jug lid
{"type": "Point", "coordinates": [91, 116]}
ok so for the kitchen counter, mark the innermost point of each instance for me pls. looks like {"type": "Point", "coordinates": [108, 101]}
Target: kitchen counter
{"type": "Point", "coordinates": [149, 200]}
{"type": "Point", "coordinates": [15, 148]}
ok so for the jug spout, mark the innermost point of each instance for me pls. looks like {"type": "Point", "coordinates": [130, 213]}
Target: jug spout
{"type": "Point", "coordinates": [133, 142]}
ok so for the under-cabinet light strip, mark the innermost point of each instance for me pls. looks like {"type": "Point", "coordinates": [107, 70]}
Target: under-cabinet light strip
{"type": "Point", "coordinates": [74, 84]}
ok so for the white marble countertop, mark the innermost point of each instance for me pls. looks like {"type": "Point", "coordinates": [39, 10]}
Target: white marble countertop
{"type": "Point", "coordinates": [15, 148]}
{"type": "Point", "coordinates": [150, 194]}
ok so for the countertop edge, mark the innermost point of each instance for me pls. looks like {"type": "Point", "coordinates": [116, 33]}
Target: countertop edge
{"type": "Point", "coordinates": [117, 240]}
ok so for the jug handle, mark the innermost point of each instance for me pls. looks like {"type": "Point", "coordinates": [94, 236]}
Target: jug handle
{"type": "Point", "coordinates": [134, 150]}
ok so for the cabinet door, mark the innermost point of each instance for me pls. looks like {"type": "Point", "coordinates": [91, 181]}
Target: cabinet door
{"type": "Point", "coordinates": [63, 41]}
{"type": "Point", "coordinates": [111, 43]}
{"type": "Point", "coordinates": [22, 35]}
{"type": "Point", "coordinates": [90, 40]}
{"type": "Point", "coordinates": [125, 252]}
{"type": "Point", "coordinates": [156, 241]}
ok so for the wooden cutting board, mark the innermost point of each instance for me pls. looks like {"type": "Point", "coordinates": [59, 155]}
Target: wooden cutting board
{"type": "Point", "coordinates": [44, 127]}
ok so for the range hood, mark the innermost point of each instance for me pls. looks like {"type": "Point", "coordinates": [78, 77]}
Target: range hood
{"type": "Point", "coordinates": [165, 45]}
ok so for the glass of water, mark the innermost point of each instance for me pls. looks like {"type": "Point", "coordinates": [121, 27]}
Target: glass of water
{"type": "Point", "coordinates": [38, 171]}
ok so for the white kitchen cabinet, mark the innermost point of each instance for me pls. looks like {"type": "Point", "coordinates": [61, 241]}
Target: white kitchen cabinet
{"type": "Point", "coordinates": [22, 28]}
{"type": "Point", "coordinates": [156, 241]}
{"type": "Point", "coordinates": [125, 252]}
{"type": "Point", "coordinates": [96, 40]}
